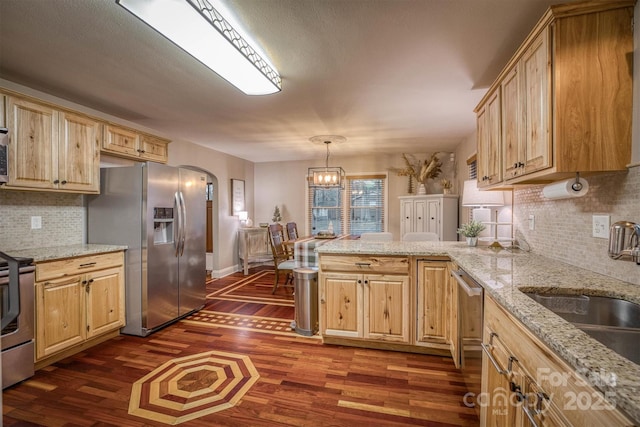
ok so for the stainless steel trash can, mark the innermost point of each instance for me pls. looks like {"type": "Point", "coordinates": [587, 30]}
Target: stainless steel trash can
{"type": "Point", "coordinates": [305, 282]}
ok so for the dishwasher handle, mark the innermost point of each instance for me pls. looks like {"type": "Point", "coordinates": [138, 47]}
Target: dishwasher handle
{"type": "Point", "coordinates": [473, 289]}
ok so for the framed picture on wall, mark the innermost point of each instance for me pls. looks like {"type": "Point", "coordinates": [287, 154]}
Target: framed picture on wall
{"type": "Point", "coordinates": [237, 196]}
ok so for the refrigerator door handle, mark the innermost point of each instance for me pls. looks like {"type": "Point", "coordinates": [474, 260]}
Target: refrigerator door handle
{"type": "Point", "coordinates": [177, 233]}
{"type": "Point", "coordinates": [183, 226]}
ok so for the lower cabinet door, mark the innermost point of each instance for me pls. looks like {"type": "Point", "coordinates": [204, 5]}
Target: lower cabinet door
{"type": "Point", "coordinates": [104, 295]}
{"type": "Point", "coordinates": [341, 305]}
{"type": "Point", "coordinates": [59, 315]}
{"type": "Point", "coordinates": [386, 302]}
{"type": "Point", "coordinates": [434, 304]}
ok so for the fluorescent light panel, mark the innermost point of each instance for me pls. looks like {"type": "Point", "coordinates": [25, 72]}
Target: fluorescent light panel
{"type": "Point", "coordinates": [182, 23]}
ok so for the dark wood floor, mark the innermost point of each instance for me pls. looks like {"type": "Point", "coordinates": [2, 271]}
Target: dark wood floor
{"type": "Point", "coordinates": [301, 381]}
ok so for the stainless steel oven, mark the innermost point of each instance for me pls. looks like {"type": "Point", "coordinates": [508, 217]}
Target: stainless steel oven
{"type": "Point", "coordinates": [470, 306]}
{"type": "Point", "coordinates": [17, 305]}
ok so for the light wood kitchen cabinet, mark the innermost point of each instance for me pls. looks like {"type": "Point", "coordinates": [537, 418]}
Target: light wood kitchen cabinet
{"type": "Point", "coordinates": [521, 374]}
{"type": "Point", "coordinates": [435, 306]}
{"type": "Point", "coordinates": [437, 213]}
{"type": "Point", "coordinates": [489, 142]}
{"type": "Point", "coordinates": [123, 142]}
{"type": "Point", "coordinates": [566, 97]}
{"type": "Point", "coordinates": [79, 153]}
{"type": "Point", "coordinates": [78, 301]}
{"type": "Point", "coordinates": [51, 149]}
{"type": "Point", "coordinates": [365, 298]}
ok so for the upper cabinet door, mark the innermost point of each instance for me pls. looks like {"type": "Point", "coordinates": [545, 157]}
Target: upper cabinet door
{"type": "Point", "coordinates": [33, 133]}
{"type": "Point", "coordinates": [511, 129]}
{"type": "Point", "coordinates": [153, 148]}
{"type": "Point", "coordinates": [489, 142]}
{"type": "Point", "coordinates": [79, 153]}
{"type": "Point", "coordinates": [120, 140]}
{"type": "Point", "coordinates": [535, 90]}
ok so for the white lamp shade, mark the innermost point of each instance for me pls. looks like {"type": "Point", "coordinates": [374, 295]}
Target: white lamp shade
{"type": "Point", "coordinates": [472, 196]}
{"type": "Point", "coordinates": [243, 215]}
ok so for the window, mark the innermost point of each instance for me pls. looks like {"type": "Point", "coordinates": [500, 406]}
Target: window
{"type": "Point", "coordinates": [366, 204]}
{"type": "Point", "coordinates": [325, 208]}
{"type": "Point", "coordinates": [363, 203]}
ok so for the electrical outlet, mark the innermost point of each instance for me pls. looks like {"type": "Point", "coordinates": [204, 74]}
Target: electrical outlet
{"type": "Point", "coordinates": [532, 222]}
{"type": "Point", "coordinates": [601, 226]}
{"type": "Point", "coordinates": [36, 222]}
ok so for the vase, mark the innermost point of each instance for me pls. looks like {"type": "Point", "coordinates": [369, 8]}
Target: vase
{"type": "Point", "coordinates": [422, 189]}
{"type": "Point", "coordinates": [472, 241]}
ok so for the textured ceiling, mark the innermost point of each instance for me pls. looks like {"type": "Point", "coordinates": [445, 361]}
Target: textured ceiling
{"type": "Point", "coordinates": [389, 75]}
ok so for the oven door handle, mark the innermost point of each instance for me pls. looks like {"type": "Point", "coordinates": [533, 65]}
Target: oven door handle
{"type": "Point", "coordinates": [475, 291]}
{"type": "Point", "coordinates": [13, 305]}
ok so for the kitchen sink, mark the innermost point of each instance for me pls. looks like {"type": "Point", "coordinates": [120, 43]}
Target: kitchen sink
{"type": "Point", "coordinates": [612, 321]}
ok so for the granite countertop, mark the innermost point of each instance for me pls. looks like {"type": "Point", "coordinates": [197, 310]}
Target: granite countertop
{"type": "Point", "coordinates": [68, 251]}
{"type": "Point", "coordinates": [505, 275]}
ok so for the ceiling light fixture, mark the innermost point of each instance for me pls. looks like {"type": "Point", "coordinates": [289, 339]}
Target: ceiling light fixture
{"type": "Point", "coordinates": [326, 177]}
{"type": "Point", "coordinates": [199, 29]}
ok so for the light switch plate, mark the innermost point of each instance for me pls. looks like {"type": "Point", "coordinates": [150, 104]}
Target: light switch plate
{"type": "Point", "coordinates": [36, 222]}
{"type": "Point", "coordinates": [532, 222]}
{"type": "Point", "coordinates": [601, 226]}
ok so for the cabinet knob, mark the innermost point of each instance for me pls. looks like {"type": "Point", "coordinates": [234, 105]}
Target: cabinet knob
{"type": "Point", "coordinates": [63, 182]}
{"type": "Point", "coordinates": [520, 164]}
{"type": "Point", "coordinates": [419, 217]}
{"type": "Point", "coordinates": [359, 281]}
{"type": "Point", "coordinates": [56, 181]}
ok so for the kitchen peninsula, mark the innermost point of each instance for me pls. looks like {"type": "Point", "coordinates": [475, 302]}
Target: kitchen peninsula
{"type": "Point", "coordinates": [504, 275]}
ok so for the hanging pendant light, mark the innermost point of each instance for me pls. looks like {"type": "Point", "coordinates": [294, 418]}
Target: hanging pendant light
{"type": "Point", "coordinates": [326, 177]}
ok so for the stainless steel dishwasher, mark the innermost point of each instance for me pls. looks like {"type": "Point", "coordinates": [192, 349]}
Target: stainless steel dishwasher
{"type": "Point", "coordinates": [470, 306]}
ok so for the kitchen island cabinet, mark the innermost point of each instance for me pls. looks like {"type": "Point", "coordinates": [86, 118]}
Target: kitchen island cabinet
{"type": "Point", "coordinates": [365, 298]}
{"type": "Point", "coordinates": [505, 276]}
{"type": "Point", "coordinates": [436, 319]}
{"type": "Point", "coordinates": [79, 303]}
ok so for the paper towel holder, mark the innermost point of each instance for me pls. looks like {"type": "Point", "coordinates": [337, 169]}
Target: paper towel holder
{"type": "Point", "coordinates": [577, 186]}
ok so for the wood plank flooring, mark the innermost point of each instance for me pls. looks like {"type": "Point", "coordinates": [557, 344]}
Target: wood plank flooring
{"type": "Point", "coordinates": [301, 381]}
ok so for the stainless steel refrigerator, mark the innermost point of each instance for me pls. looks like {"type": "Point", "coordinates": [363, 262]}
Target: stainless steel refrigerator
{"type": "Point", "coordinates": [159, 212]}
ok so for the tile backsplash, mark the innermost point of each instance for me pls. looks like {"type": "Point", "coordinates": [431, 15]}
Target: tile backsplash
{"type": "Point", "coordinates": [563, 228]}
{"type": "Point", "coordinates": [63, 219]}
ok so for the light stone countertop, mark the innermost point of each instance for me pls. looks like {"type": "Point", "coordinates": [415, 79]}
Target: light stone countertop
{"type": "Point", "coordinates": [505, 275]}
{"type": "Point", "coordinates": [60, 252]}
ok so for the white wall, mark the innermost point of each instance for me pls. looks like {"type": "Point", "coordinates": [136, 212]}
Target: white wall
{"type": "Point", "coordinates": [224, 168]}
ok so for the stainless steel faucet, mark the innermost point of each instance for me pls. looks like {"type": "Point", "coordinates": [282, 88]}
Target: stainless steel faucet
{"type": "Point", "coordinates": [624, 241]}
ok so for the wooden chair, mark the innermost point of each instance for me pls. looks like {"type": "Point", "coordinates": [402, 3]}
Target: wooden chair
{"type": "Point", "coordinates": [282, 259]}
{"type": "Point", "coordinates": [418, 236]}
{"type": "Point", "coordinates": [292, 231]}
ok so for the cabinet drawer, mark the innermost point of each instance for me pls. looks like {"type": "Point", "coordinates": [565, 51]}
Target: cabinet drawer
{"type": "Point", "coordinates": [364, 264]}
{"type": "Point", "coordinates": [78, 265]}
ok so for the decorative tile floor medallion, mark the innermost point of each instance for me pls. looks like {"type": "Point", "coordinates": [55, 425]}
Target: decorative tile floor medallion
{"type": "Point", "coordinates": [193, 386]}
